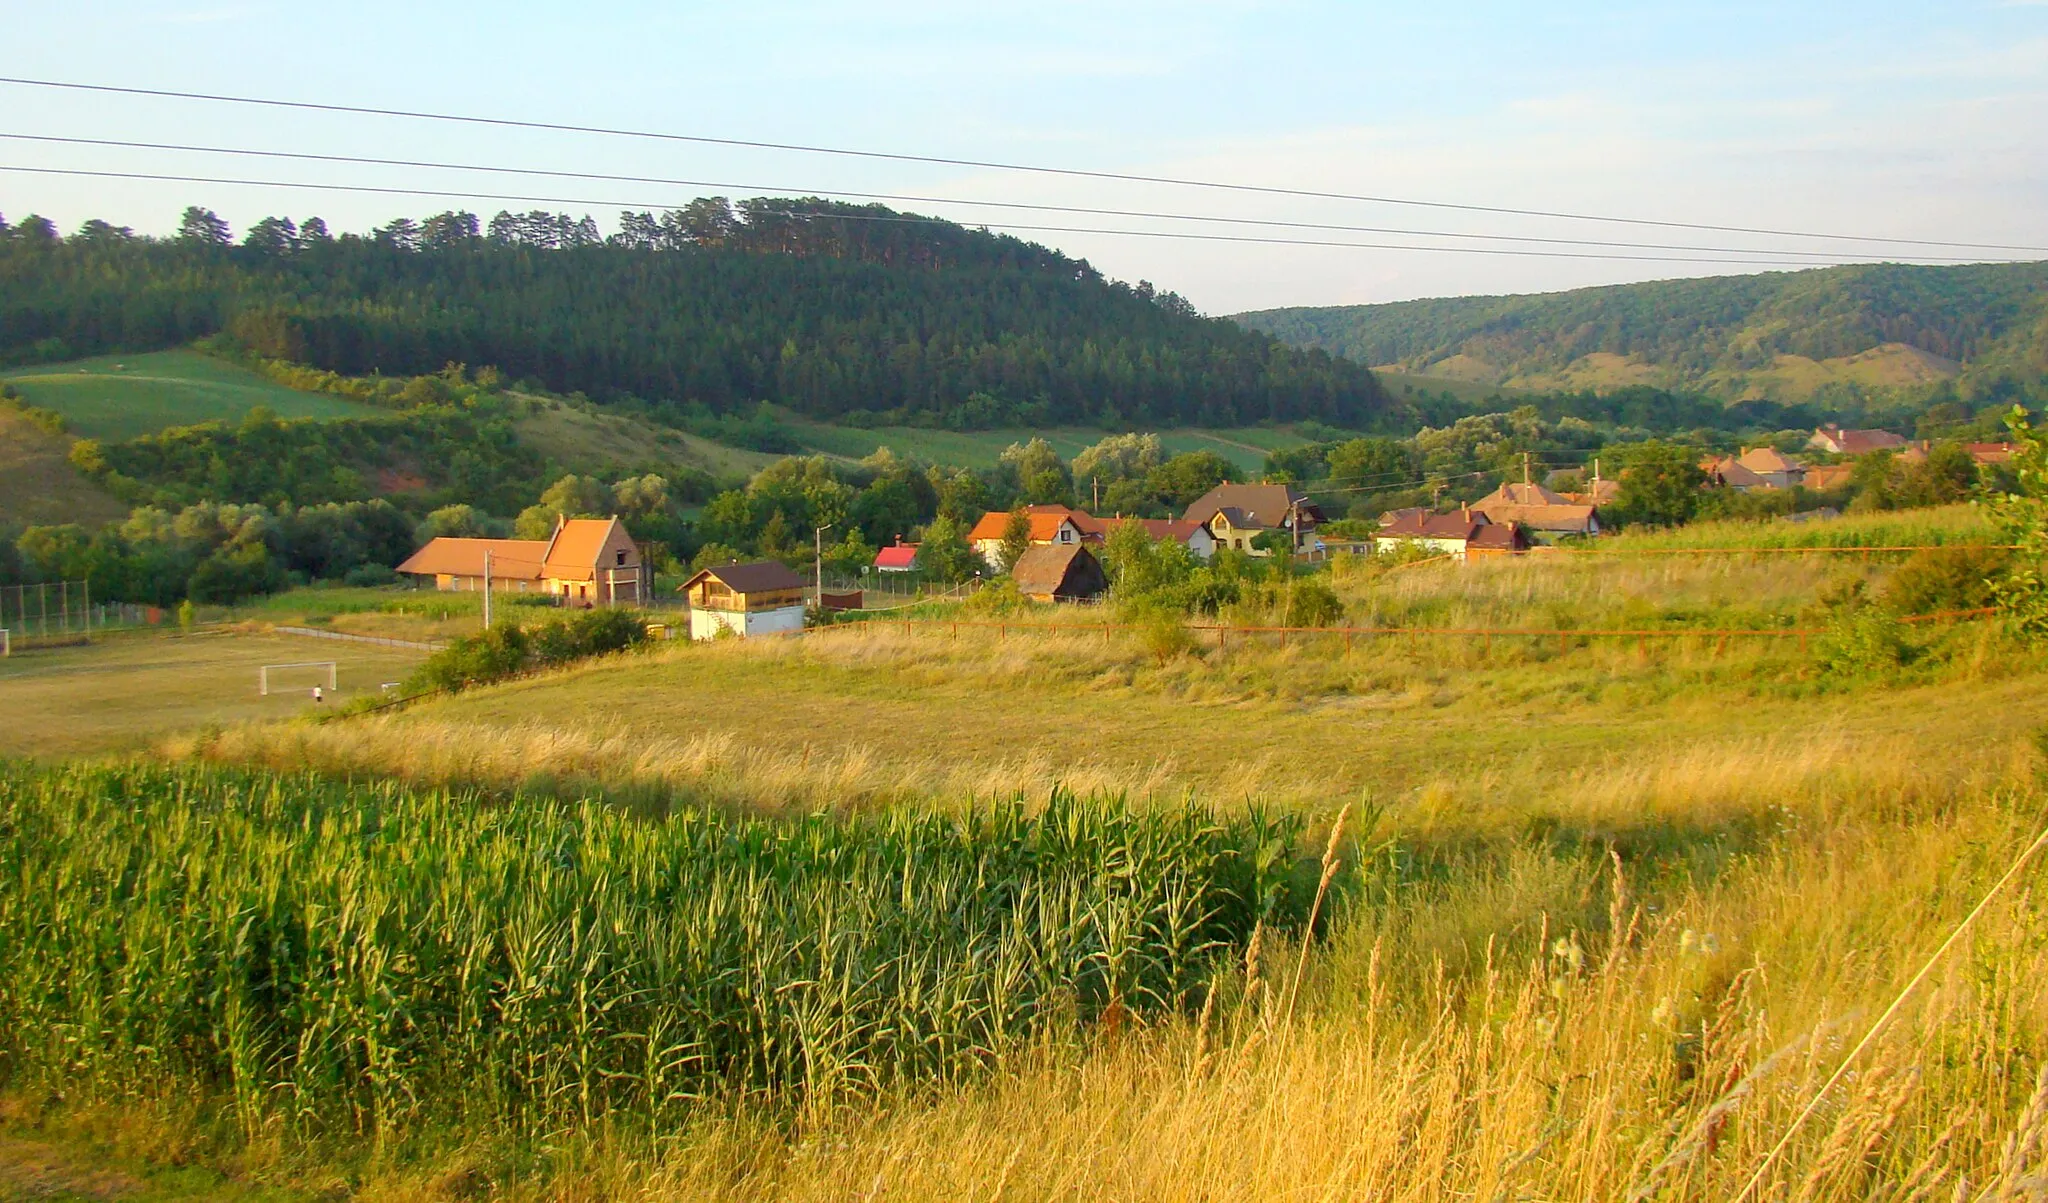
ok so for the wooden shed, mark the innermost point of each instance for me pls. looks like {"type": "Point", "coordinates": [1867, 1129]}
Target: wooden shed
{"type": "Point", "coordinates": [1061, 572]}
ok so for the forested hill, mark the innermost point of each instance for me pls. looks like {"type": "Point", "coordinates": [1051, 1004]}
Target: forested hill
{"type": "Point", "coordinates": [1835, 335]}
{"type": "Point", "coordinates": [841, 312]}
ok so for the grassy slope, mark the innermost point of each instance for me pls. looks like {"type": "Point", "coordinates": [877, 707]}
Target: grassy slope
{"type": "Point", "coordinates": [38, 483]}
{"type": "Point", "coordinates": [1778, 335]}
{"type": "Point", "coordinates": [1500, 1010]}
{"type": "Point", "coordinates": [122, 396]}
{"type": "Point", "coordinates": [584, 441]}
{"type": "Point", "coordinates": [1245, 447]}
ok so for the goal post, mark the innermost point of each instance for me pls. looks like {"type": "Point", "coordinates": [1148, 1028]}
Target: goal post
{"type": "Point", "coordinates": [6, 642]}
{"type": "Point", "coordinates": [263, 674]}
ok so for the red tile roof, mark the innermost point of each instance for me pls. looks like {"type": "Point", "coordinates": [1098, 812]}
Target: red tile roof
{"type": "Point", "coordinates": [903, 555]}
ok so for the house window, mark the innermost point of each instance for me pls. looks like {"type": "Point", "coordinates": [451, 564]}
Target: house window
{"type": "Point", "coordinates": [622, 559]}
{"type": "Point", "coordinates": [1066, 536]}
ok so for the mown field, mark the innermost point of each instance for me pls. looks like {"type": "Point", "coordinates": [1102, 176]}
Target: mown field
{"type": "Point", "coordinates": [122, 396]}
{"type": "Point", "coordinates": [1602, 916]}
{"type": "Point", "coordinates": [38, 483]}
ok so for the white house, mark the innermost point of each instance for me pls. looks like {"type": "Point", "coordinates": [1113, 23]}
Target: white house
{"type": "Point", "coordinates": [745, 600]}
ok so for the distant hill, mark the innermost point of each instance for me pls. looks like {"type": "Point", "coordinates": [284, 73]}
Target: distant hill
{"type": "Point", "coordinates": [841, 313]}
{"type": "Point", "coordinates": [1832, 336]}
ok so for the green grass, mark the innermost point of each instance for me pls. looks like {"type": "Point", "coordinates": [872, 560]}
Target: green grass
{"type": "Point", "coordinates": [1895, 528]}
{"type": "Point", "coordinates": [122, 396]}
{"type": "Point", "coordinates": [125, 691]}
{"type": "Point", "coordinates": [38, 485]}
{"type": "Point", "coordinates": [1245, 447]}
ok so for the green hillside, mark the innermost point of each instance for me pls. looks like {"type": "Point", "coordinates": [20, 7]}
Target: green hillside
{"type": "Point", "coordinates": [1835, 335]}
{"type": "Point", "coordinates": [122, 396]}
{"type": "Point", "coordinates": [836, 312]}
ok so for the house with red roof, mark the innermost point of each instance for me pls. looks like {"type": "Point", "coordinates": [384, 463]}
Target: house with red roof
{"type": "Point", "coordinates": [900, 558]}
{"type": "Point", "coordinates": [1051, 526]}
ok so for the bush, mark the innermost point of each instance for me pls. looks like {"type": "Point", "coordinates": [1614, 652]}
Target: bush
{"type": "Point", "coordinates": [364, 575]}
{"type": "Point", "coordinates": [1947, 578]}
{"type": "Point", "coordinates": [1312, 603]}
{"type": "Point", "coordinates": [506, 649]}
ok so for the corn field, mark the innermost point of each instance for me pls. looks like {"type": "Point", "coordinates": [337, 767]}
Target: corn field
{"type": "Point", "coordinates": [358, 958]}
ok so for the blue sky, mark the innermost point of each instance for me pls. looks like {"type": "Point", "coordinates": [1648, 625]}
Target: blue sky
{"type": "Point", "coordinates": [1905, 120]}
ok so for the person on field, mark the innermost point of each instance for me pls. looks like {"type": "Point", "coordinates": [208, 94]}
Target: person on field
{"type": "Point", "coordinates": [318, 696]}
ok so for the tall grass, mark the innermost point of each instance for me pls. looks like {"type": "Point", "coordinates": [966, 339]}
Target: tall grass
{"type": "Point", "coordinates": [368, 958]}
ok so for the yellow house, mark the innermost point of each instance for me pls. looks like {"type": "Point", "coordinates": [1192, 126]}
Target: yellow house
{"type": "Point", "coordinates": [587, 561]}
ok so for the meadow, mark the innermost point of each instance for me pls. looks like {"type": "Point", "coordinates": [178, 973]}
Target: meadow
{"type": "Point", "coordinates": [123, 396]}
{"type": "Point", "coordinates": [1246, 447]}
{"type": "Point", "coordinates": [1602, 915]}
{"type": "Point", "coordinates": [38, 483]}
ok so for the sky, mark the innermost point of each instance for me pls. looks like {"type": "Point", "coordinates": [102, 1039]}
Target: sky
{"type": "Point", "coordinates": [1895, 120]}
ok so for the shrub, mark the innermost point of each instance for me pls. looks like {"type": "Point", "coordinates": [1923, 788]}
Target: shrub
{"type": "Point", "coordinates": [506, 649]}
{"type": "Point", "coordinates": [1312, 603]}
{"type": "Point", "coordinates": [1947, 578]}
{"type": "Point", "coordinates": [370, 574]}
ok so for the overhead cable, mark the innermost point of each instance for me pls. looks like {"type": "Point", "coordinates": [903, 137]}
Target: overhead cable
{"type": "Point", "coordinates": [759, 189]}
{"type": "Point", "coordinates": [990, 164]}
{"type": "Point", "coordinates": [912, 219]}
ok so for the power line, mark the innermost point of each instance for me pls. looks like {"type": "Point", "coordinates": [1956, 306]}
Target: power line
{"type": "Point", "coordinates": [440, 165]}
{"type": "Point", "coordinates": [988, 164]}
{"type": "Point", "coordinates": [911, 219]}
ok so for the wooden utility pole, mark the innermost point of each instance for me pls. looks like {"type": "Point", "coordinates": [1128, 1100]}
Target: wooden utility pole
{"type": "Point", "coordinates": [818, 538]}
{"type": "Point", "coordinates": [487, 588]}
{"type": "Point", "coordinates": [1095, 482]}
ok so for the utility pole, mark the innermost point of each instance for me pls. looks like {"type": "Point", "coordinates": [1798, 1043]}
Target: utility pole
{"type": "Point", "coordinates": [1525, 471]}
{"type": "Point", "coordinates": [487, 588]}
{"type": "Point", "coordinates": [818, 537]}
{"type": "Point", "coordinates": [1095, 482]}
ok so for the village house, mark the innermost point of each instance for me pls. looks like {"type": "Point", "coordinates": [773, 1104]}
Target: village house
{"type": "Point", "coordinates": [900, 558]}
{"type": "Point", "coordinates": [1538, 511]}
{"type": "Point", "coordinates": [1191, 535]}
{"type": "Point", "coordinates": [587, 561]}
{"type": "Point", "coordinates": [1755, 468]}
{"type": "Point", "coordinates": [1051, 526]}
{"type": "Point", "coordinates": [764, 598]}
{"type": "Point", "coordinates": [1463, 534]}
{"type": "Point", "coordinates": [1059, 572]}
{"type": "Point", "coordinates": [1823, 478]}
{"type": "Point", "coordinates": [1853, 442]}
{"type": "Point", "coordinates": [1237, 514]}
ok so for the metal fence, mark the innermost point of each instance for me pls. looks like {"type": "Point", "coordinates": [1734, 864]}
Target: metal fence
{"type": "Point", "coordinates": [58, 608]}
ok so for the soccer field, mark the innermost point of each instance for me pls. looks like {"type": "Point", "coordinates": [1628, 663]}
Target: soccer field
{"type": "Point", "coordinates": [124, 691]}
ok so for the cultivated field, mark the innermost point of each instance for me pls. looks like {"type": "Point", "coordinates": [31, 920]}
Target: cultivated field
{"type": "Point", "coordinates": [122, 396]}
{"type": "Point", "coordinates": [1602, 917]}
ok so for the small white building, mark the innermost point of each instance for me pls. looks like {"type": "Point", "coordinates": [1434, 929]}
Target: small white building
{"type": "Point", "coordinates": [764, 598]}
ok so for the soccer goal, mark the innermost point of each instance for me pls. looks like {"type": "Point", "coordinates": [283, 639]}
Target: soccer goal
{"type": "Point", "coordinates": [268, 676]}
{"type": "Point", "coordinates": [6, 642]}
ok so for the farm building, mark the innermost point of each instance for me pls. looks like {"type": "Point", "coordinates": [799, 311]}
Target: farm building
{"type": "Point", "coordinates": [1066, 572]}
{"type": "Point", "coordinates": [1051, 526]}
{"type": "Point", "coordinates": [1237, 514]}
{"type": "Point", "coordinates": [764, 598]}
{"type": "Point", "coordinates": [587, 561]}
{"type": "Point", "coordinates": [1464, 535]}
{"type": "Point", "coordinates": [1537, 510]}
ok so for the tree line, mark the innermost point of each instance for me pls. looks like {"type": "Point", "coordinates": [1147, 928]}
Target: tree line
{"type": "Point", "coordinates": [849, 313]}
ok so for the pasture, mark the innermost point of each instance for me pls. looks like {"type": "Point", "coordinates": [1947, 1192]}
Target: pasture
{"type": "Point", "coordinates": [38, 483]}
{"type": "Point", "coordinates": [123, 396]}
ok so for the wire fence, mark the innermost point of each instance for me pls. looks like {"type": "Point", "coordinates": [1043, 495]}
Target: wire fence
{"type": "Point", "coordinates": [55, 609]}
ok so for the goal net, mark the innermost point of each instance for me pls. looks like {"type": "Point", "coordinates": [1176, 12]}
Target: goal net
{"type": "Point", "coordinates": [302, 676]}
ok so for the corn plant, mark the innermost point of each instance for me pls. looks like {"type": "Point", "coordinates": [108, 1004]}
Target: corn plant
{"type": "Point", "coordinates": [358, 957]}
